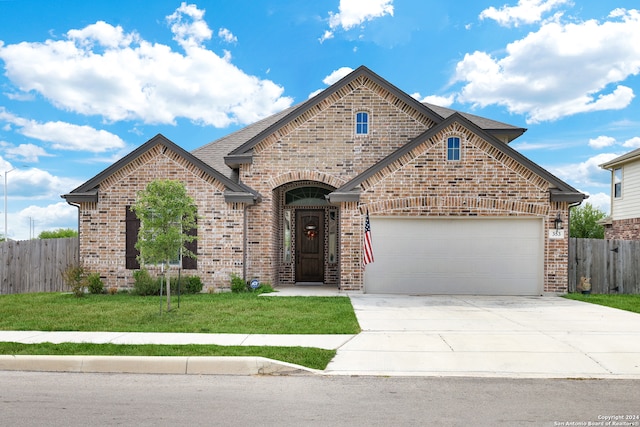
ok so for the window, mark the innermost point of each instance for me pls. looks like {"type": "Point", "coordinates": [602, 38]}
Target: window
{"type": "Point", "coordinates": [132, 227]}
{"type": "Point", "coordinates": [453, 148]}
{"type": "Point", "coordinates": [617, 183]}
{"type": "Point", "coordinates": [287, 236]}
{"type": "Point", "coordinates": [362, 123]}
{"type": "Point", "coordinates": [131, 238]}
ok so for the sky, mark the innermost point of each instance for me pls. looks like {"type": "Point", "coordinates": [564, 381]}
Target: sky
{"type": "Point", "coordinates": [83, 83]}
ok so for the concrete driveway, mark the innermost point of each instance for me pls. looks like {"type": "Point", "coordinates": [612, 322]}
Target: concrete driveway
{"type": "Point", "coordinates": [534, 337]}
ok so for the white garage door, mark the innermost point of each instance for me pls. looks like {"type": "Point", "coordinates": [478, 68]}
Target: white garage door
{"type": "Point", "coordinates": [501, 256]}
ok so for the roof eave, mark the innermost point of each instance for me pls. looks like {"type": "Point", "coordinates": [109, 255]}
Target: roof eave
{"type": "Point", "coordinates": [240, 197]}
{"type": "Point", "coordinates": [338, 197]}
{"type": "Point", "coordinates": [566, 196]}
{"type": "Point", "coordinates": [87, 197]}
{"type": "Point", "coordinates": [235, 160]}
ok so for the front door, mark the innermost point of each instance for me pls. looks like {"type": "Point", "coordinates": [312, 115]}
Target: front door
{"type": "Point", "coordinates": [309, 246]}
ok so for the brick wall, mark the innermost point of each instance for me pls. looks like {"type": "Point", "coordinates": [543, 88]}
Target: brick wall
{"type": "Point", "coordinates": [102, 224]}
{"type": "Point", "coordinates": [322, 147]}
{"type": "Point", "coordinates": [623, 229]}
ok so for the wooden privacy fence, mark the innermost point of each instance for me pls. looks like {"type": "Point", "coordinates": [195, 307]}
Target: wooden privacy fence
{"type": "Point", "coordinates": [36, 265]}
{"type": "Point", "coordinates": [612, 265]}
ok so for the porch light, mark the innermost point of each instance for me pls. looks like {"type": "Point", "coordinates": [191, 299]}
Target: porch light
{"type": "Point", "coordinates": [558, 222]}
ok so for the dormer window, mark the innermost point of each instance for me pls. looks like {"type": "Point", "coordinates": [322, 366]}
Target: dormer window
{"type": "Point", "coordinates": [362, 123]}
{"type": "Point", "coordinates": [453, 149]}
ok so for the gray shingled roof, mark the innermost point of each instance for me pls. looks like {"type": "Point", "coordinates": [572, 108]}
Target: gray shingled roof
{"type": "Point", "coordinates": [214, 152]}
{"type": "Point", "coordinates": [483, 123]}
{"type": "Point", "coordinates": [625, 158]}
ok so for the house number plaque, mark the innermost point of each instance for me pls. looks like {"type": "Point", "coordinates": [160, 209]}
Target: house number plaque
{"type": "Point", "coordinates": [556, 234]}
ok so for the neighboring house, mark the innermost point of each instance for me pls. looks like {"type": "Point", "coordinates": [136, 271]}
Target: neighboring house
{"type": "Point", "coordinates": [624, 219]}
{"type": "Point", "coordinates": [453, 209]}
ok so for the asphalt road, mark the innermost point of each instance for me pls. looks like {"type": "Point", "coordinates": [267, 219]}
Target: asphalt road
{"type": "Point", "coordinates": [66, 399]}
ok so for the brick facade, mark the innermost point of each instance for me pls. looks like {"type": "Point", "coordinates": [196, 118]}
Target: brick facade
{"type": "Point", "coordinates": [320, 148]}
{"type": "Point", "coordinates": [623, 229]}
{"type": "Point", "coordinates": [102, 224]}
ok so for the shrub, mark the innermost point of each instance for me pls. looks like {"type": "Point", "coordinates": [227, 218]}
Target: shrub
{"type": "Point", "coordinates": [75, 277]}
{"type": "Point", "coordinates": [193, 285]}
{"type": "Point", "coordinates": [238, 285]}
{"type": "Point", "coordinates": [94, 283]}
{"type": "Point", "coordinates": [264, 288]}
{"type": "Point", "coordinates": [144, 284]}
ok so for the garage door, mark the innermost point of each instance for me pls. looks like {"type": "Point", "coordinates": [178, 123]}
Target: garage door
{"type": "Point", "coordinates": [456, 256]}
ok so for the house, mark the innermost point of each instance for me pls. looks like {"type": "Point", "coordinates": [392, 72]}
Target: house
{"type": "Point", "coordinates": [453, 209]}
{"type": "Point", "coordinates": [624, 219]}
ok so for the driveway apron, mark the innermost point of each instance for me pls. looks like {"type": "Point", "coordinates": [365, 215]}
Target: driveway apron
{"type": "Point", "coordinates": [525, 337]}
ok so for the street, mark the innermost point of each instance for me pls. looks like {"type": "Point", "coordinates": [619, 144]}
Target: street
{"type": "Point", "coordinates": [68, 399]}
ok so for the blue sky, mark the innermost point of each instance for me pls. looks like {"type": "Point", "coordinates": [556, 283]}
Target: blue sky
{"type": "Point", "coordinates": [84, 83]}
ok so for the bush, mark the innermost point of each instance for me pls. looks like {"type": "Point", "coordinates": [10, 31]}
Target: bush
{"type": "Point", "coordinates": [94, 283]}
{"type": "Point", "coordinates": [265, 288]}
{"type": "Point", "coordinates": [144, 284]}
{"type": "Point", "coordinates": [193, 285]}
{"type": "Point", "coordinates": [238, 285]}
{"type": "Point", "coordinates": [75, 277]}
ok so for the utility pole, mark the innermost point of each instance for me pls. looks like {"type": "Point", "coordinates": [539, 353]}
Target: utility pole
{"type": "Point", "coordinates": [6, 236]}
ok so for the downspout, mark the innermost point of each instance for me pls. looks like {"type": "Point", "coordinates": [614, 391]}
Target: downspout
{"type": "Point", "coordinates": [78, 207]}
{"type": "Point", "coordinates": [571, 205]}
{"type": "Point", "coordinates": [245, 228]}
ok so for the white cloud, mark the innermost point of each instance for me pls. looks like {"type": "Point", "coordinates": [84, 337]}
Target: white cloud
{"type": "Point", "coordinates": [188, 26]}
{"type": "Point", "coordinates": [51, 217]}
{"type": "Point", "coordinates": [632, 143]}
{"type": "Point", "coordinates": [353, 13]}
{"type": "Point", "coordinates": [336, 75]}
{"type": "Point", "coordinates": [526, 12]}
{"type": "Point", "coordinates": [587, 173]}
{"type": "Point", "coordinates": [601, 142]}
{"type": "Point", "coordinates": [28, 153]}
{"type": "Point", "coordinates": [102, 70]}
{"type": "Point", "coordinates": [332, 78]}
{"type": "Point", "coordinates": [442, 101]}
{"type": "Point", "coordinates": [227, 35]}
{"type": "Point", "coordinates": [560, 70]}
{"type": "Point", "coordinates": [65, 136]}
{"type": "Point", "coordinates": [601, 201]}
{"type": "Point", "coordinates": [37, 184]}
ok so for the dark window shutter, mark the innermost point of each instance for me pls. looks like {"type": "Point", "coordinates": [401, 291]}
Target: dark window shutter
{"type": "Point", "coordinates": [132, 228]}
{"type": "Point", "coordinates": [187, 262]}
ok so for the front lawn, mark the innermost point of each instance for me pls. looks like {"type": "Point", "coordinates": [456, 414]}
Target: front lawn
{"type": "Point", "coordinates": [621, 301]}
{"type": "Point", "coordinates": [204, 313]}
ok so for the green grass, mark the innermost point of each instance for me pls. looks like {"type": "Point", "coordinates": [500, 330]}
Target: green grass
{"type": "Point", "coordinates": [315, 358]}
{"type": "Point", "coordinates": [621, 301]}
{"type": "Point", "coordinates": [204, 313]}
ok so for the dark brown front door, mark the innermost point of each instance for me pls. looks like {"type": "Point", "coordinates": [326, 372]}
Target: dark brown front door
{"type": "Point", "coordinates": [309, 246]}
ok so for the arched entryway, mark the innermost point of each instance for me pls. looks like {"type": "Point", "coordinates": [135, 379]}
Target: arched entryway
{"type": "Point", "coordinates": [308, 237]}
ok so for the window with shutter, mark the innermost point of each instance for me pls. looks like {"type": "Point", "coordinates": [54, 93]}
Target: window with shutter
{"type": "Point", "coordinates": [132, 228]}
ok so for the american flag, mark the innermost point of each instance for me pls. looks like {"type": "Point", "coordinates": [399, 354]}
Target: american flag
{"type": "Point", "coordinates": [367, 255]}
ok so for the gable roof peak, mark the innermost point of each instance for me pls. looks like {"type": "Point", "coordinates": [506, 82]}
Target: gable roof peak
{"type": "Point", "coordinates": [361, 71]}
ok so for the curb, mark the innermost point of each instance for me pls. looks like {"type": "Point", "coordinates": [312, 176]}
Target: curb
{"type": "Point", "coordinates": [188, 365]}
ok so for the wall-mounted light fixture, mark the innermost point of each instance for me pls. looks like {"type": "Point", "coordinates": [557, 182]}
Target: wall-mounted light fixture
{"type": "Point", "coordinates": [557, 222]}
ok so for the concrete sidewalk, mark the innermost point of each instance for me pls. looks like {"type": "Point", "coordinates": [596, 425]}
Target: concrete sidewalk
{"type": "Point", "coordinates": [518, 337]}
